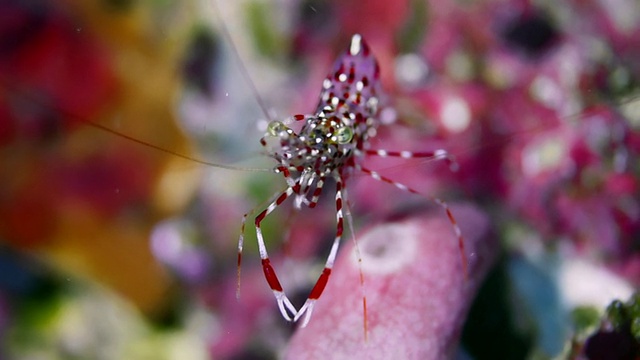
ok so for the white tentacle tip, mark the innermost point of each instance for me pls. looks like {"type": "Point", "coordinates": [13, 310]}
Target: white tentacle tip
{"type": "Point", "coordinates": [285, 306]}
{"type": "Point", "coordinates": [306, 310]}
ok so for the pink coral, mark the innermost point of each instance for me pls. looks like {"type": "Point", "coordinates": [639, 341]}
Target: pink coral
{"type": "Point", "coordinates": [417, 295]}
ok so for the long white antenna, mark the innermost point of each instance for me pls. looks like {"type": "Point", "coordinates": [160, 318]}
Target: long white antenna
{"type": "Point", "coordinates": [171, 152]}
{"type": "Point", "coordinates": [243, 69]}
{"type": "Point", "coordinates": [27, 96]}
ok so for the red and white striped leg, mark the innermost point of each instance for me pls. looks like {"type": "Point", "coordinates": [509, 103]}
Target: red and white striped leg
{"type": "Point", "coordinates": [242, 232]}
{"type": "Point", "coordinates": [284, 304]}
{"type": "Point", "coordinates": [439, 154]}
{"type": "Point", "coordinates": [315, 196]}
{"type": "Point", "coordinates": [318, 288]}
{"type": "Point", "coordinates": [240, 248]}
{"type": "Point", "coordinates": [454, 223]}
{"type": "Point", "coordinates": [287, 177]}
{"type": "Point", "coordinates": [316, 193]}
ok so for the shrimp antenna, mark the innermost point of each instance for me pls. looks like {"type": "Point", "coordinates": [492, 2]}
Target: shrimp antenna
{"type": "Point", "coordinates": [119, 134]}
{"type": "Point", "coordinates": [243, 69]}
{"type": "Point", "coordinates": [171, 152]}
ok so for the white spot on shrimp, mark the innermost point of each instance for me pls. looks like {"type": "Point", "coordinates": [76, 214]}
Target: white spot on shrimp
{"type": "Point", "coordinates": [440, 154]}
{"type": "Point", "coordinates": [401, 186]}
{"type": "Point", "coordinates": [356, 45]}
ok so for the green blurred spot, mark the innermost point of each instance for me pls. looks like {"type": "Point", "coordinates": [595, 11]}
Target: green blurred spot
{"type": "Point", "coordinates": [412, 34]}
{"type": "Point", "coordinates": [633, 309]}
{"type": "Point", "coordinates": [262, 29]}
{"type": "Point", "coordinates": [633, 306]}
{"type": "Point", "coordinates": [585, 318]}
{"type": "Point", "coordinates": [617, 314]}
{"type": "Point", "coordinates": [120, 5]}
{"type": "Point", "coordinates": [635, 328]}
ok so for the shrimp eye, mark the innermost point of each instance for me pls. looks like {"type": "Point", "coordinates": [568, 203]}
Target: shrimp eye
{"type": "Point", "coordinates": [344, 135]}
{"type": "Point", "coordinates": [276, 127]}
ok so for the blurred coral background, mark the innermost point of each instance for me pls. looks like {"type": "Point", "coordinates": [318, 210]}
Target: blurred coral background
{"type": "Point", "coordinates": [116, 243]}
